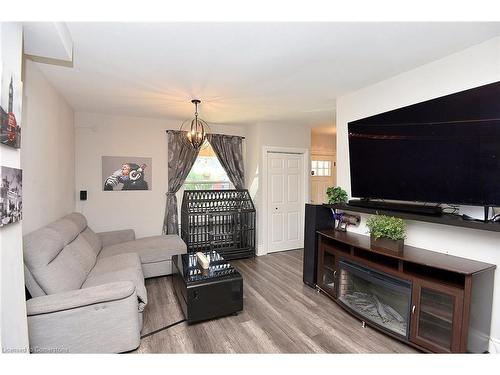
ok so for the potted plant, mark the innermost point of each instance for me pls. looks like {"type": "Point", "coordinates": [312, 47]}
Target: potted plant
{"type": "Point", "coordinates": [387, 232]}
{"type": "Point", "coordinates": [336, 194]}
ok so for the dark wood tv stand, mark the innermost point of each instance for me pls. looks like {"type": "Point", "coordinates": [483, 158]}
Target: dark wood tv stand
{"type": "Point", "coordinates": [451, 297]}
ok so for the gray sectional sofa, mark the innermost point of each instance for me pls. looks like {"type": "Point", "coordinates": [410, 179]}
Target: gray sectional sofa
{"type": "Point", "coordinates": [88, 288]}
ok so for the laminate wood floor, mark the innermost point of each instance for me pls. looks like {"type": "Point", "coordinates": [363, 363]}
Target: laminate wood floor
{"type": "Point", "coordinates": [280, 315]}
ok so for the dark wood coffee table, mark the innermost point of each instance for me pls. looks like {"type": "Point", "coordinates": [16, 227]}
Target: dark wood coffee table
{"type": "Point", "coordinates": [206, 294]}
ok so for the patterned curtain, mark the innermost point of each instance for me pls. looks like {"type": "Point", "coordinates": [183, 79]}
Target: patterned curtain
{"type": "Point", "coordinates": [229, 151]}
{"type": "Point", "coordinates": [181, 158]}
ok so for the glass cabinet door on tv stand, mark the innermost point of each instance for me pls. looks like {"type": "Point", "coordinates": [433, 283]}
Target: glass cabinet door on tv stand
{"type": "Point", "coordinates": [327, 271]}
{"type": "Point", "coordinates": [436, 316]}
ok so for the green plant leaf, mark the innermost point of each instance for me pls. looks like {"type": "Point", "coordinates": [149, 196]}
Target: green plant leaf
{"type": "Point", "coordinates": [387, 226]}
{"type": "Point", "coordinates": [336, 194]}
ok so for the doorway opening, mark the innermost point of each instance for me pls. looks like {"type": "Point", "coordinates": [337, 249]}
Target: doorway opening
{"type": "Point", "coordinates": [323, 168]}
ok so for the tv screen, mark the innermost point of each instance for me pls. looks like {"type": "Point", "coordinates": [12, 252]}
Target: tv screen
{"type": "Point", "coordinates": [404, 155]}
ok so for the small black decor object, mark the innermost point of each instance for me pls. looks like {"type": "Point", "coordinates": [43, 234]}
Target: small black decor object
{"type": "Point", "coordinates": [83, 195]}
{"type": "Point", "coordinates": [219, 220]}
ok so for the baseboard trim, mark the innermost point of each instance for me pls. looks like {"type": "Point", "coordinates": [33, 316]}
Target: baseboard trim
{"type": "Point", "coordinates": [494, 346]}
{"type": "Point", "coordinates": [261, 250]}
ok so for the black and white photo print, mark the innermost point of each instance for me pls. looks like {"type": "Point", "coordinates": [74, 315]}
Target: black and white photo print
{"type": "Point", "coordinates": [11, 193]}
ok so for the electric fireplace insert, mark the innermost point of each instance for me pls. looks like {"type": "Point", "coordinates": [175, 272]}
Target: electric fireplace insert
{"type": "Point", "coordinates": [376, 297]}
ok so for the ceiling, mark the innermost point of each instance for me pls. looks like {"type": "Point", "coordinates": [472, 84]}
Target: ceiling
{"type": "Point", "coordinates": [245, 72]}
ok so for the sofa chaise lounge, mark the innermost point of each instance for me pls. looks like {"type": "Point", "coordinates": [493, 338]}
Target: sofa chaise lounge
{"type": "Point", "coordinates": [88, 289]}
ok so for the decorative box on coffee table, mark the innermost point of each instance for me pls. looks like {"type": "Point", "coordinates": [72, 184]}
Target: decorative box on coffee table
{"type": "Point", "coordinates": [207, 294]}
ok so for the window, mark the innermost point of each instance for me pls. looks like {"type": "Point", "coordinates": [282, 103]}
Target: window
{"type": "Point", "coordinates": [207, 173]}
{"type": "Point", "coordinates": [321, 168]}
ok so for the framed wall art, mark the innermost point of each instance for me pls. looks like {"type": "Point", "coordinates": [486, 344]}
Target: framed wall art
{"type": "Point", "coordinates": [10, 108]}
{"type": "Point", "coordinates": [126, 173]}
{"type": "Point", "coordinates": [11, 195]}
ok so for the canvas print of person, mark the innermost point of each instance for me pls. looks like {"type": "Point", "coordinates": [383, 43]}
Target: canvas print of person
{"type": "Point", "coordinates": [120, 173]}
{"type": "Point", "coordinates": [10, 108]}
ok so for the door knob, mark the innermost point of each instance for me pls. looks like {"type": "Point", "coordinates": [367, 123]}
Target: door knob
{"type": "Point", "coordinates": [413, 309]}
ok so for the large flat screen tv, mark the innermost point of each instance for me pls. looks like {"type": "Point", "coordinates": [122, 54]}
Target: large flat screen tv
{"type": "Point", "coordinates": [445, 150]}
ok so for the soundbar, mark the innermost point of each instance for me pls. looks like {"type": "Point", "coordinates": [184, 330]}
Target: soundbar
{"type": "Point", "coordinates": [401, 207]}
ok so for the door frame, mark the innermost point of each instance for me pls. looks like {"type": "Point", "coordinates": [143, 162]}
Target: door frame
{"type": "Point", "coordinates": [306, 159]}
{"type": "Point", "coordinates": [329, 155]}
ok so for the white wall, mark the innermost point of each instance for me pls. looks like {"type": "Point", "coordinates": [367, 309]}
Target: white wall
{"type": "Point", "coordinates": [472, 67]}
{"type": "Point", "coordinates": [323, 143]}
{"type": "Point", "coordinates": [48, 152]}
{"type": "Point", "coordinates": [13, 331]}
{"type": "Point", "coordinates": [271, 135]}
{"type": "Point", "coordinates": [100, 135]}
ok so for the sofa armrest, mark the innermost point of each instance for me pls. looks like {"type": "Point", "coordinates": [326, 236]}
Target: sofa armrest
{"type": "Point", "coordinates": [79, 298]}
{"type": "Point", "coordinates": [101, 319]}
{"type": "Point", "coordinates": [116, 236]}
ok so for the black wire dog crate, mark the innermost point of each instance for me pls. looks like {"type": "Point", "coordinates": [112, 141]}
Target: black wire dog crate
{"type": "Point", "coordinates": [220, 220]}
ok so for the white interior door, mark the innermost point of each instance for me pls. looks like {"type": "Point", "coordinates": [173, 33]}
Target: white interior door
{"type": "Point", "coordinates": [285, 201]}
{"type": "Point", "coordinates": [322, 176]}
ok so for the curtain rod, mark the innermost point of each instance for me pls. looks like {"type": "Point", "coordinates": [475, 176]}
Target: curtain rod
{"type": "Point", "coordinates": [229, 135]}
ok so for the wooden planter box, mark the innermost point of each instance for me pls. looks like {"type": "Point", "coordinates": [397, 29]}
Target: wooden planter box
{"type": "Point", "coordinates": [383, 243]}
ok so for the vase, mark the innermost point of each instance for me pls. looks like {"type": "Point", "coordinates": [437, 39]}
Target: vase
{"type": "Point", "coordinates": [386, 244]}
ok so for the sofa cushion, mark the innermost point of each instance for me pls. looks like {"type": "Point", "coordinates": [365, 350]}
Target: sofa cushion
{"type": "Point", "coordinates": [68, 270]}
{"type": "Point", "coordinates": [33, 287]}
{"type": "Point", "coordinates": [93, 239]}
{"type": "Point", "coordinates": [150, 249]}
{"type": "Point", "coordinates": [121, 267]}
{"type": "Point", "coordinates": [58, 255]}
{"type": "Point", "coordinates": [43, 245]}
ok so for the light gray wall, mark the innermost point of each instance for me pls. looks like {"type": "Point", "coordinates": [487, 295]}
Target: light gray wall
{"type": "Point", "coordinates": [100, 135]}
{"type": "Point", "coordinates": [13, 330]}
{"type": "Point", "coordinates": [472, 67]}
{"type": "Point", "coordinates": [48, 152]}
{"type": "Point", "coordinates": [97, 135]}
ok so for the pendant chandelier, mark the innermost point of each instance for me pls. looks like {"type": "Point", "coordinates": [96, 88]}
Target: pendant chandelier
{"type": "Point", "coordinates": [196, 129]}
